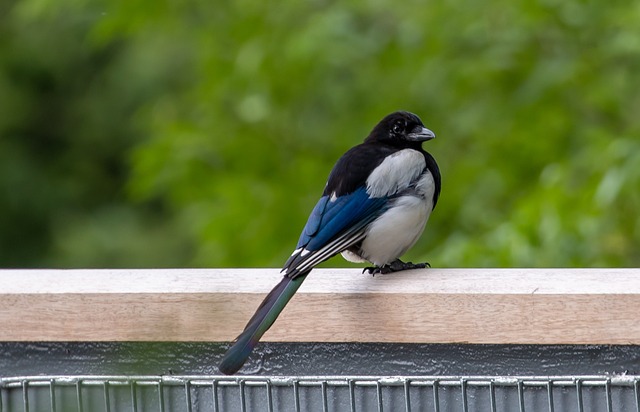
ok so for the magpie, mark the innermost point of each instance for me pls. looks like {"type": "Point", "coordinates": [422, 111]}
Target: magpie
{"type": "Point", "coordinates": [374, 207]}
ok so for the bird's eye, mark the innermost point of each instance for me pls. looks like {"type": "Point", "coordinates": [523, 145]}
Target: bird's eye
{"type": "Point", "coordinates": [397, 128]}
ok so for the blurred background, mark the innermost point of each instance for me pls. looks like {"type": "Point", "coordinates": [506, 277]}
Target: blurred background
{"type": "Point", "coordinates": [201, 133]}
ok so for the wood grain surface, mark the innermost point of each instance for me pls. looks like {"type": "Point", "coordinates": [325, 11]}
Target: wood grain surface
{"type": "Point", "coordinates": [520, 306]}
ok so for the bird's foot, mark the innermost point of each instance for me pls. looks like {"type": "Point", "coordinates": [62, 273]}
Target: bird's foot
{"type": "Point", "coordinates": [395, 266]}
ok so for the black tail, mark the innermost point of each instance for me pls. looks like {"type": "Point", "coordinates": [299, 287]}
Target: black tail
{"type": "Point", "coordinates": [261, 321]}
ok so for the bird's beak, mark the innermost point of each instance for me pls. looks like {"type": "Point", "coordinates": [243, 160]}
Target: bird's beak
{"type": "Point", "coordinates": [421, 134]}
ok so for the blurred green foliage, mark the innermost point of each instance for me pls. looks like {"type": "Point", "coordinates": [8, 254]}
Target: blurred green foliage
{"type": "Point", "coordinates": [201, 133]}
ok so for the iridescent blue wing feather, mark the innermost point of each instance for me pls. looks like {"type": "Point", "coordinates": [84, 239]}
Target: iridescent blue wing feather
{"type": "Point", "coordinates": [333, 226]}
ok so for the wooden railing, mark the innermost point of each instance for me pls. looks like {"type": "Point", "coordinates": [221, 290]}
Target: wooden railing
{"type": "Point", "coordinates": [538, 306]}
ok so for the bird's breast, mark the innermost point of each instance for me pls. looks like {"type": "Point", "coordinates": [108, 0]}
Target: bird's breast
{"type": "Point", "coordinates": [399, 228]}
{"type": "Point", "coordinates": [396, 173]}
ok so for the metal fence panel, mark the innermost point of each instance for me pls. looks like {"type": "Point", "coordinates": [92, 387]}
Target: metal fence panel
{"type": "Point", "coordinates": [218, 394]}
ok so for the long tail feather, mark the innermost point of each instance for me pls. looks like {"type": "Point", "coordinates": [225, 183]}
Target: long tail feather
{"type": "Point", "coordinates": [261, 321]}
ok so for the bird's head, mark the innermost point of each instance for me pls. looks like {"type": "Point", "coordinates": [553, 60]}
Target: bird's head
{"type": "Point", "coordinates": [400, 128]}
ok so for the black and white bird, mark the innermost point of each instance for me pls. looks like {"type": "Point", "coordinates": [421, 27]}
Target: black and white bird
{"type": "Point", "coordinates": [374, 208]}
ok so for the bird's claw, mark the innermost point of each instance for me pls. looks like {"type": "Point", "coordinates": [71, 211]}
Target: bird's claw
{"type": "Point", "coordinates": [374, 270]}
{"type": "Point", "coordinates": [395, 266]}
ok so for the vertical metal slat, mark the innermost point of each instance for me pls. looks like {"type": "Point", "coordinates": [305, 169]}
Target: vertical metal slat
{"type": "Point", "coordinates": [579, 395]}
{"type": "Point", "coordinates": [323, 391]}
{"type": "Point", "coordinates": [379, 393]}
{"type": "Point", "coordinates": [607, 388]}
{"type": "Point", "coordinates": [550, 395]}
{"type": "Point", "coordinates": [107, 401]}
{"type": "Point", "coordinates": [296, 395]}
{"type": "Point", "coordinates": [25, 396]}
{"type": "Point", "coordinates": [269, 396]}
{"type": "Point", "coordinates": [79, 395]}
{"type": "Point", "coordinates": [636, 389]}
{"type": "Point", "coordinates": [436, 396]}
{"type": "Point", "coordinates": [492, 395]}
{"type": "Point", "coordinates": [521, 395]}
{"type": "Point", "coordinates": [243, 399]}
{"type": "Point", "coordinates": [52, 395]}
{"type": "Point", "coordinates": [352, 395]}
{"type": "Point", "coordinates": [134, 397]}
{"type": "Point", "coordinates": [465, 401]}
{"type": "Point", "coordinates": [187, 395]}
{"type": "Point", "coordinates": [407, 395]}
{"type": "Point", "coordinates": [161, 396]}
{"type": "Point", "coordinates": [214, 388]}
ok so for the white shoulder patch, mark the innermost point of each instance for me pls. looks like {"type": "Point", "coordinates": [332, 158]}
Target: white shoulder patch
{"type": "Point", "coordinates": [395, 173]}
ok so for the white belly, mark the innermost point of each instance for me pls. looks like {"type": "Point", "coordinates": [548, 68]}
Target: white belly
{"type": "Point", "coordinates": [400, 227]}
